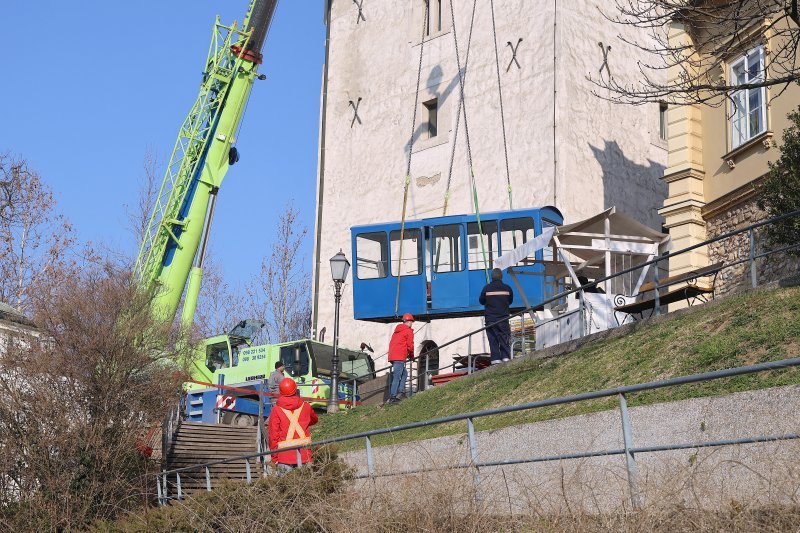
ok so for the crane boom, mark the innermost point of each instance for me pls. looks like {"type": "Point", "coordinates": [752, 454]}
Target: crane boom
{"type": "Point", "coordinates": [175, 239]}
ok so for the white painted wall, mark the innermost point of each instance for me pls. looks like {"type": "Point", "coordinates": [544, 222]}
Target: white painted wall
{"type": "Point", "coordinates": [598, 155]}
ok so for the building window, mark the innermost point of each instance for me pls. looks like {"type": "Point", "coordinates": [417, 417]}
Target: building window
{"type": "Point", "coordinates": [432, 111]}
{"type": "Point", "coordinates": [434, 17]}
{"type": "Point", "coordinates": [748, 116]}
{"type": "Point", "coordinates": [662, 121]}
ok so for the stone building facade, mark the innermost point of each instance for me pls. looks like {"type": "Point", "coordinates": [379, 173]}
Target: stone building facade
{"type": "Point", "coordinates": [718, 155]}
{"type": "Point", "coordinates": [566, 146]}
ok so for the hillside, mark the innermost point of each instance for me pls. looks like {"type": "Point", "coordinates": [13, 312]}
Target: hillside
{"type": "Point", "coordinates": [749, 328]}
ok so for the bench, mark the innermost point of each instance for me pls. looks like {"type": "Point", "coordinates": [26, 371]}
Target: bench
{"type": "Point", "coordinates": [691, 292]}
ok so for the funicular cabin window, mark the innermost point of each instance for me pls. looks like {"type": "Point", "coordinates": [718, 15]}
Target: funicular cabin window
{"type": "Point", "coordinates": [475, 252]}
{"type": "Point", "coordinates": [447, 248]}
{"type": "Point", "coordinates": [547, 252]}
{"type": "Point", "coordinates": [371, 255]}
{"type": "Point", "coordinates": [516, 232]}
{"type": "Point", "coordinates": [412, 252]}
{"type": "Point", "coordinates": [552, 286]}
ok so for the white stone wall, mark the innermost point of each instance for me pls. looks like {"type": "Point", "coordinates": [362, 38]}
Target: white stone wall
{"type": "Point", "coordinates": [598, 154]}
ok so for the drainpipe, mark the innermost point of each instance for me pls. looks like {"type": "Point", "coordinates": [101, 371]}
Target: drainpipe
{"type": "Point", "coordinates": [321, 171]}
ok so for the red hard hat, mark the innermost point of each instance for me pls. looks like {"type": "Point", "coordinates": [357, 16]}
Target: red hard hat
{"type": "Point", "coordinates": [408, 316]}
{"type": "Point", "coordinates": [288, 387]}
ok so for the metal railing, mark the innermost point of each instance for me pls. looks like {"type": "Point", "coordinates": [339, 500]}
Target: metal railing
{"type": "Point", "coordinates": [751, 259]}
{"type": "Point", "coordinates": [629, 450]}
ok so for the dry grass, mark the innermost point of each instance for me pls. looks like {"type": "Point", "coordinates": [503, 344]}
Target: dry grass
{"type": "Point", "coordinates": [326, 498]}
{"type": "Point", "coordinates": [755, 327]}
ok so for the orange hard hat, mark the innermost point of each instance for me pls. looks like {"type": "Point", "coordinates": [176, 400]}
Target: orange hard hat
{"type": "Point", "coordinates": [408, 316]}
{"type": "Point", "coordinates": [288, 387]}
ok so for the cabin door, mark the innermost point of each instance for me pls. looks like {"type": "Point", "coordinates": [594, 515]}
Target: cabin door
{"type": "Point", "coordinates": [446, 262]}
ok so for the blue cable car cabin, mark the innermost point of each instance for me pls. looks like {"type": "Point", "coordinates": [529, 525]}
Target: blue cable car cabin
{"type": "Point", "coordinates": [444, 264]}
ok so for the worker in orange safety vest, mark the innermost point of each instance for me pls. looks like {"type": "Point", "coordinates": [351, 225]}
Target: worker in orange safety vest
{"type": "Point", "coordinates": [289, 423]}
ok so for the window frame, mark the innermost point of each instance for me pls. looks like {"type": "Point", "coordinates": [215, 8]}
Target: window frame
{"type": "Point", "coordinates": [458, 248]}
{"type": "Point", "coordinates": [740, 140]}
{"type": "Point", "coordinates": [432, 118]}
{"type": "Point", "coordinates": [492, 253]}
{"type": "Point", "coordinates": [663, 121]}
{"type": "Point", "coordinates": [524, 239]}
{"type": "Point", "coordinates": [420, 251]}
{"type": "Point", "coordinates": [385, 253]}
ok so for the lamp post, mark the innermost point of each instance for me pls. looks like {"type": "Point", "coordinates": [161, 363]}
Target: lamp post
{"type": "Point", "coordinates": [340, 266]}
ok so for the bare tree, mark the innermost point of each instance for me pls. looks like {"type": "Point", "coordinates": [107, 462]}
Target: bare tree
{"type": "Point", "coordinates": [138, 214]}
{"type": "Point", "coordinates": [281, 293]}
{"type": "Point", "coordinates": [76, 400]}
{"type": "Point", "coordinates": [690, 39]}
{"type": "Point", "coordinates": [34, 237]}
{"type": "Point", "coordinates": [219, 305]}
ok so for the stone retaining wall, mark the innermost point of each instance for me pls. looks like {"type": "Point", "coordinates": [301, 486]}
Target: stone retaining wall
{"type": "Point", "coordinates": [771, 268]}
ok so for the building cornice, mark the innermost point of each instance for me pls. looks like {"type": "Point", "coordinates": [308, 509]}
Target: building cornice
{"type": "Point", "coordinates": [685, 173]}
{"type": "Point", "coordinates": [732, 199]}
{"type": "Point", "coordinates": [683, 212]}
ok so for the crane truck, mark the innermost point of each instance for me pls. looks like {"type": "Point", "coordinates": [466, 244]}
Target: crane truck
{"type": "Point", "coordinates": [172, 253]}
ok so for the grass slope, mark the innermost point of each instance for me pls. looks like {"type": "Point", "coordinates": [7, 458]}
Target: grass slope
{"type": "Point", "coordinates": [739, 330]}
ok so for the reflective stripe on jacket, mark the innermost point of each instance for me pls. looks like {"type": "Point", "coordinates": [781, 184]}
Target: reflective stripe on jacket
{"type": "Point", "coordinates": [289, 423]}
{"type": "Point", "coordinates": [496, 298]}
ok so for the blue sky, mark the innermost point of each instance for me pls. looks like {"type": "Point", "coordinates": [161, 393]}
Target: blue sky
{"type": "Point", "coordinates": [88, 86]}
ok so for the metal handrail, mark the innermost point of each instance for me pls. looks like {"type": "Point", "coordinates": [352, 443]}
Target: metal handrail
{"type": "Point", "coordinates": [603, 393]}
{"type": "Point", "coordinates": [639, 266]}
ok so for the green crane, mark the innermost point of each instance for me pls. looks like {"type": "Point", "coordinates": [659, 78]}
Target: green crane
{"type": "Point", "coordinates": [176, 237]}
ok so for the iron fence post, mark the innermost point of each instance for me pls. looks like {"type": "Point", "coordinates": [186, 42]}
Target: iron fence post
{"type": "Point", "coordinates": [165, 486]}
{"type": "Point", "coordinates": [220, 382]}
{"type": "Point", "coordinates": [370, 460]}
{"type": "Point", "coordinates": [260, 425]}
{"type": "Point", "coordinates": [473, 452]}
{"type": "Point", "coordinates": [410, 377]}
{"type": "Point", "coordinates": [753, 271]}
{"type": "Point", "coordinates": [178, 479]}
{"type": "Point", "coordinates": [208, 480]}
{"type": "Point", "coordinates": [630, 461]}
{"type": "Point", "coordinates": [657, 309]}
{"type": "Point", "coordinates": [247, 469]}
{"type": "Point", "coordinates": [158, 490]}
{"type": "Point", "coordinates": [427, 369]}
{"type": "Point", "coordinates": [353, 391]}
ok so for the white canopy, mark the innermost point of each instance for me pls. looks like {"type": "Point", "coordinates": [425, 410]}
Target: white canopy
{"type": "Point", "coordinates": [588, 240]}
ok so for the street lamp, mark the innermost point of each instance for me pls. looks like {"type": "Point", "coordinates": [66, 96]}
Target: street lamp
{"type": "Point", "coordinates": [340, 266]}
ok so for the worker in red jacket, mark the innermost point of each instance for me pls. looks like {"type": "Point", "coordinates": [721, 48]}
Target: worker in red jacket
{"type": "Point", "coordinates": [289, 423]}
{"type": "Point", "coordinates": [401, 348]}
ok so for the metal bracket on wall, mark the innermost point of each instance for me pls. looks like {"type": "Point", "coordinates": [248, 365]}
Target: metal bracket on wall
{"type": "Point", "coordinates": [355, 106]}
{"type": "Point", "coordinates": [605, 50]}
{"type": "Point", "coordinates": [514, 54]}
{"type": "Point", "coordinates": [360, 7]}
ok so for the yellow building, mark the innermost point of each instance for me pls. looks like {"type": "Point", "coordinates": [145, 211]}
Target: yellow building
{"type": "Point", "coordinates": [719, 151]}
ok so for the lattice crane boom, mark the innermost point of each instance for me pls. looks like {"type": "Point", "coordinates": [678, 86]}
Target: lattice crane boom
{"type": "Point", "coordinates": [173, 248]}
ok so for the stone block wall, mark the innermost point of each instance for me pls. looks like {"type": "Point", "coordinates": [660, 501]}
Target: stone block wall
{"type": "Point", "coordinates": [769, 269]}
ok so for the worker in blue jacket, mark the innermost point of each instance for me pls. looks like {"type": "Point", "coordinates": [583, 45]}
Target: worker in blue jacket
{"type": "Point", "coordinates": [496, 297]}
